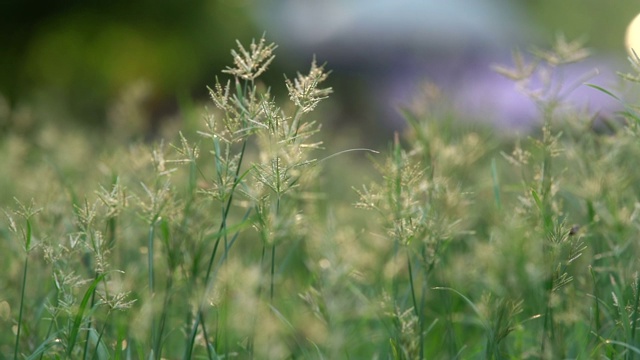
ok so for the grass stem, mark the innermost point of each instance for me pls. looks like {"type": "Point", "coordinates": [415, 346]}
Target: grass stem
{"type": "Point", "coordinates": [22, 292]}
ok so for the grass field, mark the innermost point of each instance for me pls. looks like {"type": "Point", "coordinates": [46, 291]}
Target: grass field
{"type": "Point", "coordinates": [245, 236]}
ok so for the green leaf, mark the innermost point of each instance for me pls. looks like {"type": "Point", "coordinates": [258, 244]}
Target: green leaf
{"type": "Point", "coordinates": [75, 329]}
{"type": "Point", "coordinates": [536, 198]}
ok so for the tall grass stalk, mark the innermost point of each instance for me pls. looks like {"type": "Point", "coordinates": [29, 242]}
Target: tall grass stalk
{"type": "Point", "coordinates": [150, 246]}
{"type": "Point", "coordinates": [239, 115]}
{"type": "Point", "coordinates": [22, 291]}
{"type": "Point", "coordinates": [26, 212]}
{"type": "Point", "coordinates": [158, 197]}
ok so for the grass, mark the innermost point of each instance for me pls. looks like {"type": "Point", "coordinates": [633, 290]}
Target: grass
{"type": "Point", "coordinates": [236, 240]}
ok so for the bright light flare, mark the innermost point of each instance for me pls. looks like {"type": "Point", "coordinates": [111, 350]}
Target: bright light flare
{"type": "Point", "coordinates": [632, 38]}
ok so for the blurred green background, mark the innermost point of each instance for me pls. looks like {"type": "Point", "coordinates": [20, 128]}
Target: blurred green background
{"type": "Point", "coordinates": [74, 58]}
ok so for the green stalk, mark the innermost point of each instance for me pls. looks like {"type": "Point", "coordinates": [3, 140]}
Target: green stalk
{"type": "Point", "coordinates": [24, 285]}
{"type": "Point", "coordinates": [93, 301]}
{"type": "Point", "coordinates": [200, 317]}
{"type": "Point", "coordinates": [496, 183]}
{"type": "Point", "coordinates": [255, 320]}
{"type": "Point", "coordinates": [413, 292]}
{"type": "Point", "coordinates": [151, 284]}
{"type": "Point", "coordinates": [273, 266]}
{"type": "Point", "coordinates": [273, 248]}
{"type": "Point", "coordinates": [596, 302]}
{"type": "Point", "coordinates": [635, 318]}
{"type": "Point", "coordinates": [394, 193]}
{"type": "Point", "coordinates": [27, 248]}
{"type": "Point", "coordinates": [423, 296]}
{"type": "Point", "coordinates": [206, 338]}
{"type": "Point", "coordinates": [223, 226]}
{"type": "Point", "coordinates": [86, 343]}
{"type": "Point", "coordinates": [150, 257]}
{"type": "Point", "coordinates": [164, 227]}
{"type": "Point", "coordinates": [415, 304]}
{"type": "Point", "coordinates": [163, 316]}
{"type": "Point", "coordinates": [52, 323]}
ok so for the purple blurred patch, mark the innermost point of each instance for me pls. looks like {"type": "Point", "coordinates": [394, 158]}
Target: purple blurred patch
{"type": "Point", "coordinates": [478, 93]}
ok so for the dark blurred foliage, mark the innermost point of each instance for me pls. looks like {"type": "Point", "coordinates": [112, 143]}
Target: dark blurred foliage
{"type": "Point", "coordinates": [79, 55]}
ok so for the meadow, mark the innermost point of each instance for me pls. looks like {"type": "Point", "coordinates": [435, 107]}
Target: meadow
{"type": "Point", "coordinates": [248, 234]}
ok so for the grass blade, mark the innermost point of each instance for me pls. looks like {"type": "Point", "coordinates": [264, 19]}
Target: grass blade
{"type": "Point", "coordinates": [24, 285]}
{"type": "Point", "coordinates": [496, 183]}
{"type": "Point", "coordinates": [75, 329]}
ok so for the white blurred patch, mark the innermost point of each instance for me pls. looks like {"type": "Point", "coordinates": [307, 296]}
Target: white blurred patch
{"type": "Point", "coordinates": [632, 38]}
